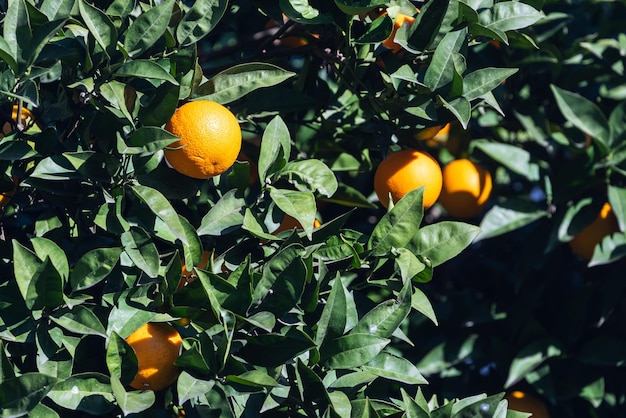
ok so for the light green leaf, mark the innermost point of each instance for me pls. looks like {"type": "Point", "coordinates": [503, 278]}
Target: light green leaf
{"type": "Point", "coordinates": [508, 216]}
{"type": "Point", "coordinates": [275, 148]}
{"type": "Point", "coordinates": [529, 358]}
{"type": "Point", "coordinates": [460, 108]}
{"type": "Point", "coordinates": [80, 320]}
{"type": "Point", "coordinates": [421, 303]}
{"type": "Point", "coordinates": [510, 15]}
{"type": "Point", "coordinates": [396, 227]}
{"type": "Point", "coordinates": [161, 207]}
{"type": "Point", "coordinates": [47, 248]}
{"type": "Point", "coordinates": [139, 247]}
{"type": "Point", "coordinates": [131, 402]}
{"type": "Point", "coordinates": [241, 79]}
{"type": "Point", "coordinates": [440, 72]}
{"type": "Point", "coordinates": [442, 241]}
{"type": "Point", "coordinates": [516, 159]}
{"type": "Point", "coordinates": [483, 80]}
{"type": "Point", "coordinates": [394, 368]}
{"type": "Point", "coordinates": [225, 215]}
{"type": "Point", "coordinates": [352, 350]}
{"type": "Point", "coordinates": [57, 9]}
{"type": "Point", "coordinates": [584, 115]}
{"type": "Point", "coordinates": [310, 175]}
{"type": "Point", "coordinates": [299, 205]}
{"type": "Point", "coordinates": [189, 387]}
{"type": "Point", "coordinates": [144, 69]}
{"type": "Point", "coordinates": [88, 392]}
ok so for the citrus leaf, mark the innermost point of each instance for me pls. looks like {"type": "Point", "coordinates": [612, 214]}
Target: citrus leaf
{"type": "Point", "coordinates": [529, 358]}
{"type": "Point", "coordinates": [80, 320]}
{"type": "Point", "coordinates": [299, 205]}
{"type": "Point", "coordinates": [239, 80]}
{"type": "Point", "coordinates": [509, 216]}
{"type": "Point", "coordinates": [139, 247]}
{"type": "Point", "coordinates": [87, 392]}
{"type": "Point", "coordinates": [509, 15]}
{"type": "Point", "coordinates": [273, 350]}
{"type": "Point", "coordinates": [315, 175]}
{"type": "Point", "coordinates": [255, 378]}
{"type": "Point", "coordinates": [443, 240]}
{"type": "Point", "coordinates": [189, 387]}
{"type": "Point", "coordinates": [19, 395]}
{"type": "Point", "coordinates": [131, 402]}
{"type": "Point", "coordinates": [144, 69]}
{"type": "Point", "coordinates": [161, 207]}
{"type": "Point", "coordinates": [16, 150]}
{"type": "Point", "coordinates": [352, 350]}
{"type": "Point", "coordinates": [149, 26]}
{"type": "Point", "coordinates": [483, 80]}
{"type": "Point", "coordinates": [99, 25]}
{"type": "Point", "coordinates": [224, 216]}
{"type": "Point", "coordinates": [275, 148]}
{"type": "Point", "coordinates": [46, 248]}
{"type": "Point", "coordinates": [396, 227]}
{"type": "Point", "coordinates": [121, 359]}
{"type": "Point", "coordinates": [440, 72]}
{"type": "Point", "coordinates": [584, 115]}
{"type": "Point", "coordinates": [421, 303]}
{"type": "Point", "coordinates": [332, 322]}
{"type": "Point", "coordinates": [394, 368]}
{"type": "Point", "coordinates": [199, 20]}
{"type": "Point", "coordinates": [516, 159]}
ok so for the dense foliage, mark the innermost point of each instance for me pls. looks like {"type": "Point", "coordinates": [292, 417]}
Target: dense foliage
{"type": "Point", "coordinates": [399, 312]}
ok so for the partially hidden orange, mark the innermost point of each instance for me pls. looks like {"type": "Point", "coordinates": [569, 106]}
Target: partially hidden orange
{"type": "Point", "coordinates": [400, 20]}
{"type": "Point", "coordinates": [289, 222]}
{"type": "Point", "coordinates": [407, 170]}
{"type": "Point", "coordinates": [466, 188]}
{"type": "Point", "coordinates": [525, 402]}
{"type": "Point", "coordinates": [210, 139]}
{"type": "Point", "coordinates": [5, 197]}
{"type": "Point", "coordinates": [157, 346]}
{"type": "Point", "coordinates": [584, 243]}
{"type": "Point", "coordinates": [187, 276]}
{"type": "Point", "coordinates": [27, 119]}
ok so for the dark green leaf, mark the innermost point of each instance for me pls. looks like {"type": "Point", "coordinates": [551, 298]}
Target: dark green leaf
{"type": "Point", "coordinates": [147, 28]}
{"type": "Point", "coordinates": [99, 25]}
{"type": "Point", "coordinates": [352, 350]}
{"type": "Point", "coordinates": [21, 394]}
{"type": "Point", "coordinates": [161, 207]}
{"type": "Point", "coordinates": [529, 358]}
{"type": "Point", "coordinates": [483, 80]}
{"type": "Point", "coordinates": [509, 216]}
{"type": "Point", "coordinates": [516, 159]}
{"type": "Point", "coordinates": [299, 205]}
{"type": "Point", "coordinates": [199, 20]}
{"type": "Point", "coordinates": [145, 69]}
{"type": "Point", "coordinates": [16, 150]}
{"type": "Point", "coordinates": [332, 322]}
{"type": "Point", "coordinates": [139, 247]}
{"type": "Point", "coordinates": [510, 15]}
{"type": "Point", "coordinates": [275, 148]}
{"type": "Point", "coordinates": [440, 72]}
{"type": "Point", "coordinates": [79, 320]}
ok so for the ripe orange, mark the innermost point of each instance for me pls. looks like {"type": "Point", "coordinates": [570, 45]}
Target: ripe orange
{"type": "Point", "coordinates": [26, 120]}
{"type": "Point", "coordinates": [187, 276]}
{"type": "Point", "coordinates": [210, 139]}
{"type": "Point", "coordinates": [5, 197]}
{"type": "Point", "coordinates": [525, 402]}
{"type": "Point", "coordinates": [157, 346]}
{"type": "Point", "coordinates": [408, 170]}
{"type": "Point", "coordinates": [289, 222]}
{"type": "Point", "coordinates": [586, 240]}
{"type": "Point", "coordinates": [466, 188]}
{"type": "Point", "coordinates": [401, 19]}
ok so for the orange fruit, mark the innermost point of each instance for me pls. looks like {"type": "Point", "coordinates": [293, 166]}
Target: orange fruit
{"type": "Point", "coordinates": [586, 240]}
{"type": "Point", "coordinates": [5, 197]}
{"type": "Point", "coordinates": [157, 346]}
{"type": "Point", "coordinates": [525, 402]}
{"type": "Point", "coordinates": [289, 223]}
{"type": "Point", "coordinates": [187, 276]}
{"type": "Point", "coordinates": [401, 19]}
{"type": "Point", "coordinates": [408, 170]}
{"type": "Point", "coordinates": [433, 132]}
{"type": "Point", "coordinates": [466, 188]}
{"type": "Point", "coordinates": [210, 139]}
{"type": "Point", "coordinates": [26, 120]}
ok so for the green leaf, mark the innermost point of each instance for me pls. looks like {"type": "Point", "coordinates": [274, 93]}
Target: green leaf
{"type": "Point", "coordinates": [19, 395]}
{"type": "Point", "coordinates": [189, 387]}
{"type": "Point", "coordinates": [440, 72]}
{"type": "Point", "coordinates": [299, 205]}
{"type": "Point", "coordinates": [443, 241]}
{"type": "Point", "coordinates": [427, 24]}
{"type": "Point", "coordinates": [6, 54]}
{"type": "Point", "coordinates": [394, 368]}
{"type": "Point", "coordinates": [46, 248]}
{"type": "Point", "coordinates": [39, 282]}
{"type": "Point", "coordinates": [483, 80]}
{"type": "Point", "coordinates": [409, 264]}
{"type": "Point", "coordinates": [134, 401]}
{"type": "Point", "coordinates": [79, 320]}
{"type": "Point", "coordinates": [275, 148]}
{"type": "Point", "coordinates": [149, 26]}
{"type": "Point", "coordinates": [610, 249]}
{"type": "Point", "coordinates": [57, 9]}
{"type": "Point", "coordinates": [383, 320]}
{"type": "Point", "coordinates": [509, 15]}
{"type": "Point", "coordinates": [16, 150]}
{"type": "Point", "coordinates": [617, 199]}
{"type": "Point", "coordinates": [99, 25]}
{"type": "Point", "coordinates": [89, 392]}
{"type": "Point", "coordinates": [413, 408]}
{"type": "Point", "coordinates": [509, 216]}
{"type": "Point", "coordinates": [460, 108]}
{"type": "Point", "coordinates": [239, 80]}
{"type": "Point", "coordinates": [352, 350]}
{"type": "Point", "coordinates": [584, 115]}
{"type": "Point", "coordinates": [396, 227]}
{"type": "Point", "coordinates": [161, 207]}
{"type": "Point", "coordinates": [421, 303]}
{"type": "Point", "coordinates": [199, 20]}
{"type": "Point", "coordinates": [273, 350]}
{"type": "Point", "coordinates": [121, 359]}
{"type": "Point", "coordinates": [254, 378]}
{"type": "Point", "coordinates": [118, 95]}
{"type": "Point", "coordinates": [530, 357]}
{"type": "Point", "coordinates": [17, 31]}
{"type": "Point", "coordinates": [148, 140]}
{"type": "Point", "coordinates": [332, 322]}
{"type": "Point", "coordinates": [516, 159]}
{"type": "Point", "coordinates": [224, 216]}
{"type": "Point", "coordinates": [145, 69]}
{"type": "Point", "coordinates": [310, 175]}
{"type": "Point", "coordinates": [139, 247]}
{"type": "Point", "coordinates": [282, 281]}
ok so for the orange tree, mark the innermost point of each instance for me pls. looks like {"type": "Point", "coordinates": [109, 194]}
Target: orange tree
{"type": "Point", "coordinates": [334, 320]}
